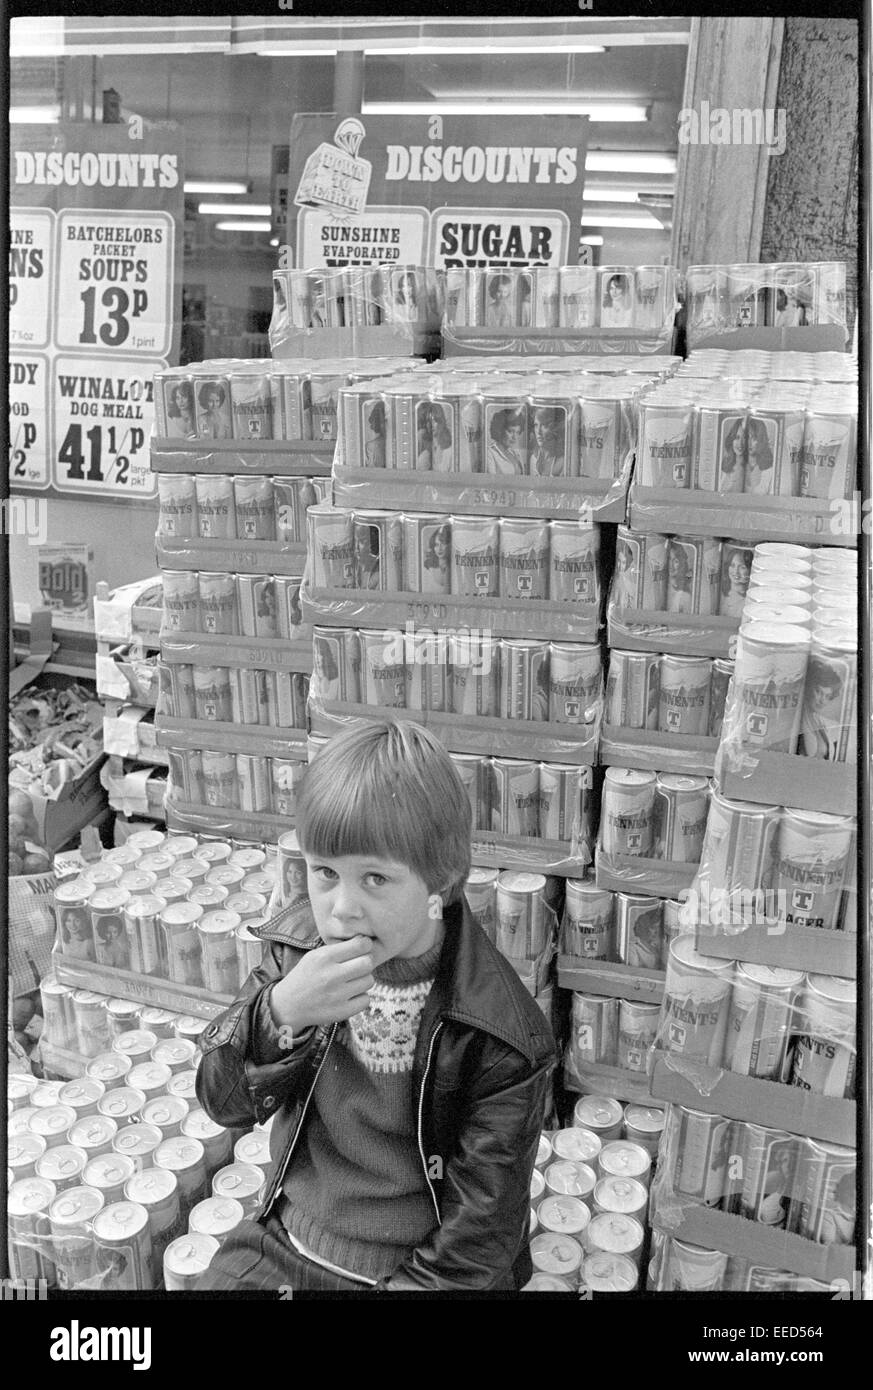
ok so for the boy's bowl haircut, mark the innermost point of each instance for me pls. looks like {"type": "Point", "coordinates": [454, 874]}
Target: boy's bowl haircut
{"type": "Point", "coordinates": [392, 791]}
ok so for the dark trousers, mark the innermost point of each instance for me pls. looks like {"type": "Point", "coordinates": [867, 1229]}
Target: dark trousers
{"type": "Point", "coordinates": [258, 1257]}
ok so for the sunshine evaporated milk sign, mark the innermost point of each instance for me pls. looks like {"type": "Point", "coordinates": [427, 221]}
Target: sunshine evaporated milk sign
{"type": "Point", "coordinates": [441, 190]}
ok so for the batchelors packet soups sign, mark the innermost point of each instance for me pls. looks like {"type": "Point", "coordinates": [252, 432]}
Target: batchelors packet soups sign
{"type": "Point", "coordinates": [94, 302]}
{"type": "Point", "coordinates": [437, 190]}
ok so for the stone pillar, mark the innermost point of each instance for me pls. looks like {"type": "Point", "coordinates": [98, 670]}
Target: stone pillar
{"type": "Point", "coordinates": [811, 209]}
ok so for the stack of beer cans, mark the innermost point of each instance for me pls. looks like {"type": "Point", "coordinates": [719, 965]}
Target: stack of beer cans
{"type": "Point", "coordinates": [241, 450]}
{"type": "Point", "coordinates": [167, 907]}
{"type": "Point", "coordinates": [589, 1225]}
{"type": "Point", "coordinates": [777, 295]}
{"type": "Point", "coordinates": [642, 298]}
{"type": "Point", "coordinates": [108, 1170]}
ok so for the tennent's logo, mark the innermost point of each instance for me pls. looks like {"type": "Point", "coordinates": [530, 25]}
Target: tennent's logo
{"type": "Point", "coordinates": [738, 125]}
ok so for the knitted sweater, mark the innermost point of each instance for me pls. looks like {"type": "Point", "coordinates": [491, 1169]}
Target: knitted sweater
{"type": "Point", "coordinates": [356, 1191]}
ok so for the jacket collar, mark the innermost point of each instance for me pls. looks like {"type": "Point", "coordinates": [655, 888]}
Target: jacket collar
{"type": "Point", "coordinates": [470, 985]}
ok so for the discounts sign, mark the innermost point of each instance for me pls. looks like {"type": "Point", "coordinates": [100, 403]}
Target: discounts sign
{"type": "Point", "coordinates": [438, 190]}
{"type": "Point", "coordinates": [94, 293]}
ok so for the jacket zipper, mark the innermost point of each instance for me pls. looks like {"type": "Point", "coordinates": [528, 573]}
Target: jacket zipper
{"type": "Point", "coordinates": [430, 1187]}
{"type": "Point", "coordinates": [296, 1135]}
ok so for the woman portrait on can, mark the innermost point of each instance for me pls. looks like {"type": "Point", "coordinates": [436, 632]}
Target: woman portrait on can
{"type": "Point", "coordinates": [820, 736]}
{"type": "Point", "coordinates": [404, 296]}
{"type": "Point", "coordinates": [733, 456]}
{"type": "Point", "coordinates": [77, 938]}
{"type": "Point", "coordinates": [735, 582]}
{"type": "Point", "coordinates": [367, 540]}
{"type": "Point", "coordinates": [645, 946]}
{"type": "Point", "coordinates": [680, 579]}
{"type": "Point", "coordinates": [506, 442]}
{"type": "Point", "coordinates": [616, 306]}
{"type": "Point", "coordinates": [759, 458]}
{"type": "Point", "coordinates": [433, 438]}
{"type": "Point", "coordinates": [498, 309]}
{"type": "Point", "coordinates": [789, 312]}
{"type": "Point", "coordinates": [265, 608]}
{"type": "Point", "coordinates": [180, 410]}
{"type": "Point", "coordinates": [112, 944]}
{"type": "Point", "coordinates": [776, 1198]}
{"type": "Point", "coordinates": [437, 561]}
{"type": "Point", "coordinates": [375, 430]}
{"type": "Point", "coordinates": [326, 670]}
{"type": "Point", "coordinates": [624, 585]}
{"type": "Point", "coordinates": [546, 457]}
{"type": "Point", "coordinates": [213, 425]}
{"type": "Point", "coordinates": [838, 1219]}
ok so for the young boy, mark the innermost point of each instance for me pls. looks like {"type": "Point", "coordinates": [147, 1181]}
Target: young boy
{"type": "Point", "coordinates": [405, 1063]}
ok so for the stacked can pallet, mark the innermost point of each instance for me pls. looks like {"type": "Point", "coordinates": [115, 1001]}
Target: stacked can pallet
{"type": "Point", "coordinates": [241, 450]}
{"type": "Point", "coordinates": [589, 1227]}
{"type": "Point", "coordinates": [457, 583]}
{"type": "Point", "coordinates": [107, 1171]}
{"type": "Point", "coordinates": [164, 920]}
{"type": "Point", "coordinates": [566, 309]}
{"type": "Point", "coordinates": [756, 1044]}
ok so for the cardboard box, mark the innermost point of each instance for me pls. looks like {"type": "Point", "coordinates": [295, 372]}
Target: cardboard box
{"type": "Point", "coordinates": [130, 733]}
{"type": "Point", "coordinates": [142, 989]}
{"type": "Point", "coordinates": [819, 952]}
{"type": "Point", "coordinates": [80, 802]}
{"type": "Point", "coordinates": [595, 1078]}
{"type": "Point", "coordinates": [379, 340]}
{"type": "Point", "coordinates": [60, 1063]}
{"type": "Point", "coordinates": [123, 674]}
{"type": "Point", "coordinates": [196, 734]}
{"type": "Point", "coordinates": [281, 458]}
{"type": "Point", "coordinates": [556, 857]}
{"type": "Point", "coordinates": [646, 748]}
{"type": "Point", "coordinates": [231, 556]}
{"type": "Point", "coordinates": [255, 653]}
{"type": "Point", "coordinates": [610, 978]}
{"type": "Point", "coordinates": [540, 620]}
{"type": "Point", "coordinates": [229, 824]}
{"type": "Point", "coordinates": [686, 634]}
{"type": "Point", "coordinates": [488, 737]}
{"type": "Point", "coordinates": [126, 612]}
{"type": "Point", "coordinates": [752, 1240]}
{"type": "Point", "coordinates": [744, 516]}
{"type": "Point", "coordinates": [786, 779]}
{"type": "Point", "coordinates": [563, 342]}
{"type": "Point", "coordinates": [813, 337]}
{"type": "Point", "coordinates": [752, 1100]}
{"type": "Point", "coordinates": [625, 873]}
{"type": "Point", "coordinates": [481, 494]}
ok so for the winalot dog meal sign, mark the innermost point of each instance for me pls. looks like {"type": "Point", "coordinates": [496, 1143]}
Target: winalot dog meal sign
{"type": "Point", "coordinates": [445, 191]}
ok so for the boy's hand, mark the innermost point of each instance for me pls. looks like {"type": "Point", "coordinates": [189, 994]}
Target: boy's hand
{"type": "Point", "coordinates": [330, 984]}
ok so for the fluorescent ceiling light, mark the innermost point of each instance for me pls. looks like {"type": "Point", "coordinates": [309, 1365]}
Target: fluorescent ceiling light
{"type": "Point", "coordinates": [235, 209]}
{"type": "Point", "coordinates": [591, 240]}
{"type": "Point", "coordinates": [638, 162]}
{"type": "Point", "coordinates": [34, 115]}
{"type": "Point", "coordinates": [495, 49]}
{"type": "Point", "coordinates": [594, 193]}
{"type": "Point", "coordinates": [644, 223]}
{"type": "Point", "coordinates": [215, 186]}
{"type": "Point", "coordinates": [269, 50]}
{"type": "Point", "coordinates": [606, 111]}
{"type": "Point", "coordinates": [244, 225]}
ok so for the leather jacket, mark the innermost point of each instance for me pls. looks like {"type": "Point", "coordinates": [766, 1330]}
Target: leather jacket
{"type": "Point", "coordinates": [480, 1074]}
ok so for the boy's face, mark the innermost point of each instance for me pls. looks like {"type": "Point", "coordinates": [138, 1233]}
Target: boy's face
{"type": "Point", "coordinates": [364, 895]}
